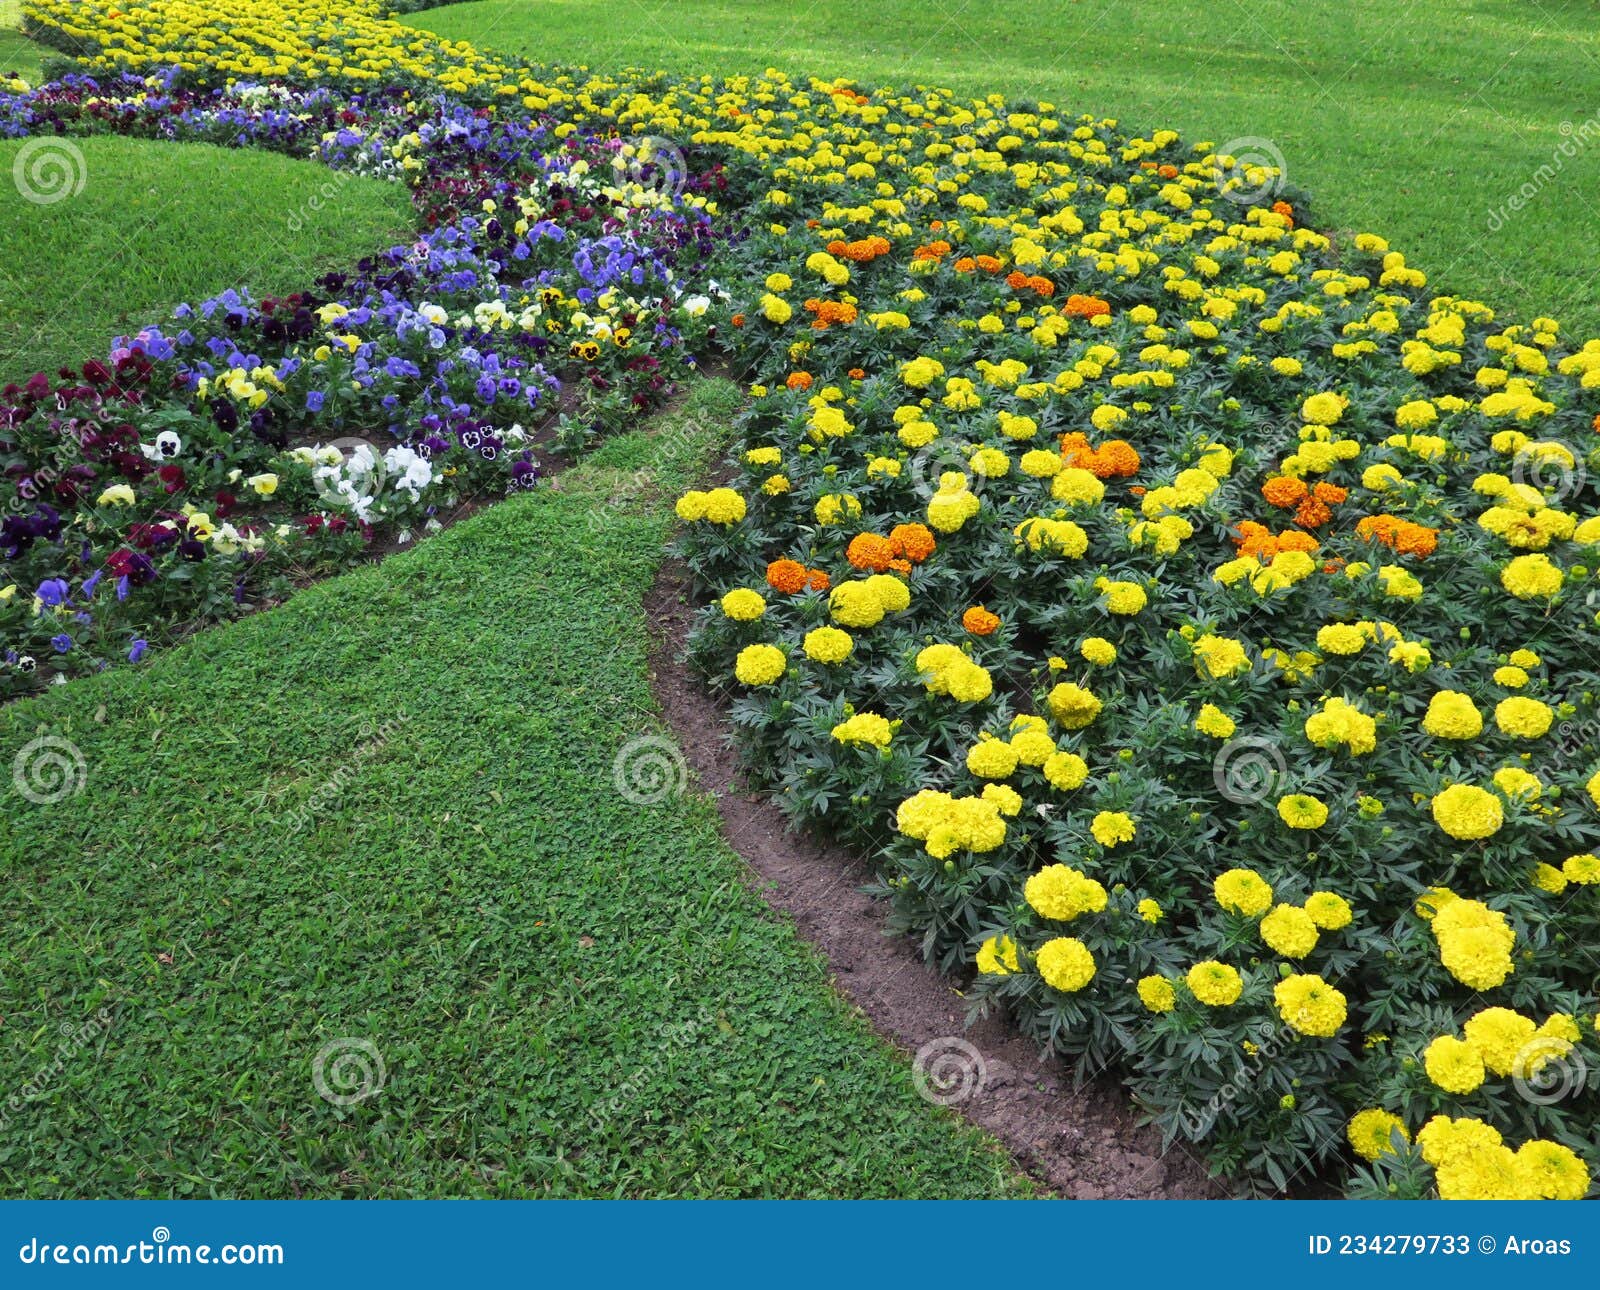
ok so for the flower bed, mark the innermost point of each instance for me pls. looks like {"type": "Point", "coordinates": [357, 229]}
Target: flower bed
{"type": "Point", "coordinates": [205, 466]}
{"type": "Point", "coordinates": [1191, 616]}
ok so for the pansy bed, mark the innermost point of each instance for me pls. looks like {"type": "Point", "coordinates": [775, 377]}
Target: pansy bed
{"type": "Point", "coordinates": [1190, 613]}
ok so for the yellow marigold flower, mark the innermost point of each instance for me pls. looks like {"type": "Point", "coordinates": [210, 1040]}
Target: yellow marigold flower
{"type": "Point", "coordinates": [1468, 813]}
{"type": "Point", "coordinates": [760, 664]}
{"type": "Point", "coordinates": [1371, 1132]}
{"type": "Point", "coordinates": [1582, 869]}
{"type": "Point", "coordinates": [1532, 577]}
{"type": "Point", "coordinates": [1072, 705]}
{"type": "Point", "coordinates": [856, 604]}
{"type": "Point", "coordinates": [1323, 409]}
{"type": "Point", "coordinates": [828, 645]}
{"type": "Point", "coordinates": [1149, 911]}
{"type": "Point", "coordinates": [1548, 878]}
{"type": "Point", "coordinates": [866, 728]}
{"type": "Point", "coordinates": [1341, 638]}
{"type": "Point", "coordinates": [991, 758]}
{"type": "Point", "coordinates": [1552, 1171]}
{"type": "Point", "coordinates": [1453, 1065]}
{"type": "Point", "coordinates": [1156, 993]}
{"type": "Point", "coordinates": [1065, 770]}
{"type": "Point", "coordinates": [1111, 828]}
{"type": "Point", "coordinates": [724, 506]}
{"type": "Point", "coordinates": [1032, 746]}
{"type": "Point", "coordinates": [1098, 651]}
{"type": "Point", "coordinates": [1513, 678]}
{"type": "Point", "coordinates": [743, 605]}
{"type": "Point", "coordinates": [1215, 984]}
{"type": "Point", "coordinates": [1065, 964]}
{"type": "Point", "coordinates": [892, 593]}
{"type": "Point", "coordinates": [1309, 1005]}
{"type": "Point", "coordinates": [1076, 487]}
{"type": "Point", "coordinates": [1220, 656]}
{"type": "Point", "coordinates": [1523, 658]}
{"type": "Point", "coordinates": [1302, 811]}
{"type": "Point", "coordinates": [1523, 718]}
{"type": "Point", "coordinates": [1215, 722]}
{"type": "Point", "coordinates": [1518, 784]}
{"type": "Point", "coordinates": [997, 956]}
{"type": "Point", "coordinates": [1499, 1036]}
{"type": "Point", "coordinates": [1060, 892]}
{"type": "Point", "coordinates": [1243, 891]}
{"type": "Point", "coordinates": [1342, 724]}
{"type": "Point", "coordinates": [1452, 715]}
{"type": "Point", "coordinates": [1125, 598]}
{"type": "Point", "coordinates": [1328, 911]}
{"type": "Point", "coordinates": [1290, 931]}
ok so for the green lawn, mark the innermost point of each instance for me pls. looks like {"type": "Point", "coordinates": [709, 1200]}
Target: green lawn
{"type": "Point", "coordinates": [158, 223]}
{"type": "Point", "coordinates": [472, 896]}
{"type": "Point", "coordinates": [17, 56]}
{"type": "Point", "coordinates": [1415, 121]}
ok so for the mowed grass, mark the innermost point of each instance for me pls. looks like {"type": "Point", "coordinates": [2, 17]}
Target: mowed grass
{"type": "Point", "coordinates": [146, 225]}
{"type": "Point", "coordinates": [570, 995]}
{"type": "Point", "coordinates": [18, 56]}
{"type": "Point", "coordinates": [1415, 121]}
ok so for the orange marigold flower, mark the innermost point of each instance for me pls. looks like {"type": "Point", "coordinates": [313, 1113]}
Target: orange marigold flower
{"type": "Point", "coordinates": [1016, 280]}
{"type": "Point", "coordinates": [1168, 171]}
{"type": "Point", "coordinates": [966, 264]}
{"type": "Point", "coordinates": [979, 621]}
{"type": "Point", "coordinates": [1042, 286]}
{"type": "Point", "coordinates": [1312, 514]}
{"type": "Point", "coordinates": [870, 551]}
{"type": "Point", "coordinates": [787, 576]}
{"type": "Point", "coordinates": [1116, 459]}
{"type": "Point", "coordinates": [900, 566]}
{"type": "Point", "coordinates": [1086, 306]}
{"type": "Point", "coordinates": [914, 541]}
{"type": "Point", "coordinates": [799, 381]}
{"type": "Point", "coordinates": [1284, 209]}
{"type": "Point", "coordinates": [1330, 494]}
{"type": "Point", "coordinates": [818, 580]}
{"type": "Point", "coordinates": [1403, 536]}
{"type": "Point", "coordinates": [857, 373]}
{"type": "Point", "coordinates": [737, 320]}
{"type": "Point", "coordinates": [1332, 566]}
{"type": "Point", "coordinates": [989, 264]}
{"type": "Point", "coordinates": [1284, 491]}
{"type": "Point", "coordinates": [1294, 541]}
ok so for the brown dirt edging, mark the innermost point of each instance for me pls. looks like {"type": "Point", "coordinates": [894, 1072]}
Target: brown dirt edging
{"type": "Point", "coordinates": [1082, 1143]}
